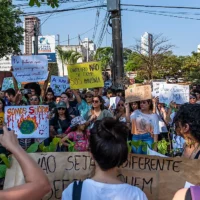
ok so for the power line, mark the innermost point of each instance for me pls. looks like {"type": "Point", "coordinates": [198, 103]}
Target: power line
{"type": "Point", "coordinates": [82, 33]}
{"type": "Point", "coordinates": [151, 13]}
{"type": "Point", "coordinates": [154, 6]}
{"type": "Point", "coordinates": [63, 10]}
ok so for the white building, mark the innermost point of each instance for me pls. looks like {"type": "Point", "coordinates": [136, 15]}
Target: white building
{"type": "Point", "coordinates": [82, 48]}
{"type": "Point", "coordinates": [198, 48]}
{"type": "Point", "coordinates": [146, 43]}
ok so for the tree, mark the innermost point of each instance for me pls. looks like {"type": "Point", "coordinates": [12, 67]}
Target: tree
{"type": "Point", "coordinates": [152, 54]}
{"type": "Point", "coordinates": [67, 57]}
{"type": "Point", "coordinates": [52, 3]}
{"type": "Point", "coordinates": [10, 30]}
{"type": "Point", "coordinates": [105, 56]}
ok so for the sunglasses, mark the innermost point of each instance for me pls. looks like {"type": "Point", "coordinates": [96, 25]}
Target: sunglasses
{"type": "Point", "coordinates": [95, 101]}
{"type": "Point", "coordinates": [61, 108]}
{"type": "Point", "coordinates": [88, 96]}
{"type": "Point", "coordinates": [32, 99]}
{"type": "Point", "coordinates": [120, 105]}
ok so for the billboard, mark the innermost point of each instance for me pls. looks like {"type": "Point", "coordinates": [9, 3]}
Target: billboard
{"type": "Point", "coordinates": [46, 46]}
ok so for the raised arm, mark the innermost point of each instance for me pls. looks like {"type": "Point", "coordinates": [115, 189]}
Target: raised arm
{"type": "Point", "coordinates": [37, 184]}
{"type": "Point", "coordinates": [78, 98]}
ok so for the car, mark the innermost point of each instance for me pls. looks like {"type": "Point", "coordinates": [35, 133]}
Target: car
{"type": "Point", "coordinates": [172, 80]}
{"type": "Point", "coordinates": [180, 80]}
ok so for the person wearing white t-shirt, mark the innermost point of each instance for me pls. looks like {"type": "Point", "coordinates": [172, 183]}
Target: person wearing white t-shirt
{"type": "Point", "coordinates": [145, 125]}
{"type": "Point", "coordinates": [105, 185]}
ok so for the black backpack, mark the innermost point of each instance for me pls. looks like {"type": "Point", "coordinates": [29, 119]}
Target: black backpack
{"type": "Point", "coordinates": [77, 189]}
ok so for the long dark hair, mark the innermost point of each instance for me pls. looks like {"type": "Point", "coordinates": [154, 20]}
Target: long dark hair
{"type": "Point", "coordinates": [66, 114]}
{"type": "Point", "coordinates": [4, 104]}
{"type": "Point", "coordinates": [49, 90]}
{"type": "Point", "coordinates": [102, 107]}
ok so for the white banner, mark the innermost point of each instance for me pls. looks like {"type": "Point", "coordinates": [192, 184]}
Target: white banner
{"type": "Point", "coordinates": [33, 62]}
{"type": "Point", "coordinates": [28, 121]}
{"type": "Point", "coordinates": [156, 86]}
{"type": "Point", "coordinates": [59, 84]}
{"type": "Point", "coordinates": [173, 92]}
{"type": "Point", "coordinates": [30, 76]}
{"type": "Point", "coordinates": [5, 63]}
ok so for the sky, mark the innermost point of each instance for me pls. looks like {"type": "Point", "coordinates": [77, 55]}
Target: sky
{"type": "Point", "coordinates": [183, 33]}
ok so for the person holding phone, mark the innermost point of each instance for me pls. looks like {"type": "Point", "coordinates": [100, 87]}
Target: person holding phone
{"type": "Point", "coordinates": [36, 184]}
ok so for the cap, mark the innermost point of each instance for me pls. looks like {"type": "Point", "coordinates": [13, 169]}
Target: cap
{"type": "Point", "coordinates": [77, 121]}
{"type": "Point", "coordinates": [61, 104]}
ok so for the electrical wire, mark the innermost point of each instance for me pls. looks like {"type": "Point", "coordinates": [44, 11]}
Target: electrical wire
{"type": "Point", "coordinates": [165, 15]}
{"type": "Point", "coordinates": [154, 6]}
{"type": "Point", "coordinates": [82, 33]}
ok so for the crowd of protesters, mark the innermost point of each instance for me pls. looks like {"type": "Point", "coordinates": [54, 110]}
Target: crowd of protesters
{"type": "Point", "coordinates": [87, 118]}
{"type": "Point", "coordinates": [74, 112]}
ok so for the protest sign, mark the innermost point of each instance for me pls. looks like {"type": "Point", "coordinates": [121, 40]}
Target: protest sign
{"type": "Point", "coordinates": [113, 102]}
{"type": "Point", "coordinates": [30, 76]}
{"type": "Point", "coordinates": [85, 75]}
{"type": "Point", "coordinates": [8, 83]}
{"type": "Point", "coordinates": [174, 92]}
{"type": "Point", "coordinates": [156, 86]}
{"type": "Point", "coordinates": [33, 62]}
{"type": "Point", "coordinates": [28, 121]}
{"type": "Point", "coordinates": [158, 177]}
{"type": "Point", "coordinates": [138, 93]}
{"type": "Point", "coordinates": [59, 84]}
{"type": "Point", "coordinates": [32, 68]}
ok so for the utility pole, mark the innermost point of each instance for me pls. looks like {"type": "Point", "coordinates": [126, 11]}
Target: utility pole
{"type": "Point", "coordinates": [68, 39]}
{"type": "Point", "coordinates": [58, 40]}
{"type": "Point", "coordinates": [88, 49]}
{"type": "Point", "coordinates": [36, 39]}
{"type": "Point", "coordinates": [113, 7]}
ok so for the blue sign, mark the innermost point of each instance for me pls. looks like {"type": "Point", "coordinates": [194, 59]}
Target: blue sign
{"type": "Point", "coordinates": [50, 56]}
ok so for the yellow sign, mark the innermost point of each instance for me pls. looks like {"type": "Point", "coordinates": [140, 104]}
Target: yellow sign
{"type": "Point", "coordinates": [85, 75]}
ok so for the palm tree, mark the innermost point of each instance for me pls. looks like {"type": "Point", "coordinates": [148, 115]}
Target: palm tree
{"type": "Point", "coordinates": [67, 57]}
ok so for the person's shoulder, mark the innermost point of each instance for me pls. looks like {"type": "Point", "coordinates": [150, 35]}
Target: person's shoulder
{"type": "Point", "coordinates": [134, 192]}
{"type": "Point", "coordinates": [180, 194]}
{"type": "Point", "coordinates": [134, 113]}
{"type": "Point", "coordinates": [67, 193]}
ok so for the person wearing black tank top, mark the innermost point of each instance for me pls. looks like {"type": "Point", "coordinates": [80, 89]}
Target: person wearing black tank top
{"type": "Point", "coordinates": [187, 123]}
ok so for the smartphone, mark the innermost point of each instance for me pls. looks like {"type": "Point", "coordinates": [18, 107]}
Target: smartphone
{"type": "Point", "coordinates": [25, 91]}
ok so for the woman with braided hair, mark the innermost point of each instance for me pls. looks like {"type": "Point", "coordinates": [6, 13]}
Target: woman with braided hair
{"type": "Point", "coordinates": [108, 146]}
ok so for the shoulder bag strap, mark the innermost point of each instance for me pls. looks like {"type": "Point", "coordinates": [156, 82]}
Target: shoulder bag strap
{"type": "Point", "coordinates": [77, 188]}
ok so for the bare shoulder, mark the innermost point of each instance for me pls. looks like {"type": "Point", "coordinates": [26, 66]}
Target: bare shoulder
{"type": "Point", "coordinates": [180, 194]}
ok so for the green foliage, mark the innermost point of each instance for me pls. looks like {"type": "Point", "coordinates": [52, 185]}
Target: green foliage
{"type": "Point", "coordinates": [52, 3]}
{"type": "Point", "coordinates": [10, 30]}
{"type": "Point", "coordinates": [5, 160]}
{"type": "Point", "coordinates": [71, 145]}
{"type": "Point", "coordinates": [162, 146]}
{"type": "Point", "coordinates": [129, 146]}
{"type": "Point", "coordinates": [53, 69]}
{"type": "Point", "coordinates": [105, 56]}
{"type": "Point", "coordinates": [3, 169]}
{"type": "Point", "coordinates": [33, 148]}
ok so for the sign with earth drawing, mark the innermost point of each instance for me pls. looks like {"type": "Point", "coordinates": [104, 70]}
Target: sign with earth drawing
{"type": "Point", "coordinates": [28, 121]}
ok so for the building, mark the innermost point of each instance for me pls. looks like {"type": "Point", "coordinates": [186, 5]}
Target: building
{"type": "Point", "coordinates": [198, 48]}
{"type": "Point", "coordinates": [90, 48]}
{"type": "Point", "coordinates": [82, 48]}
{"type": "Point", "coordinates": [146, 44]}
{"type": "Point", "coordinates": [29, 25]}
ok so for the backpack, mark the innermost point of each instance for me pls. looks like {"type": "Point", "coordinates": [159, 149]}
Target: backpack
{"type": "Point", "coordinates": [77, 189]}
{"type": "Point", "coordinates": [193, 193]}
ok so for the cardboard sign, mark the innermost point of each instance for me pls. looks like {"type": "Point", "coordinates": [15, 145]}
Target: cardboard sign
{"type": "Point", "coordinates": [59, 84]}
{"type": "Point", "coordinates": [138, 93]}
{"type": "Point", "coordinates": [28, 121]}
{"type": "Point", "coordinates": [173, 92]}
{"type": "Point", "coordinates": [8, 83]}
{"type": "Point", "coordinates": [32, 68]}
{"type": "Point", "coordinates": [85, 75]}
{"type": "Point", "coordinates": [158, 177]}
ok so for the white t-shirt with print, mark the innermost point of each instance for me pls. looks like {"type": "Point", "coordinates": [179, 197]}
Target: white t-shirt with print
{"type": "Point", "coordinates": [144, 123]}
{"type": "Point", "coordinates": [92, 190]}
